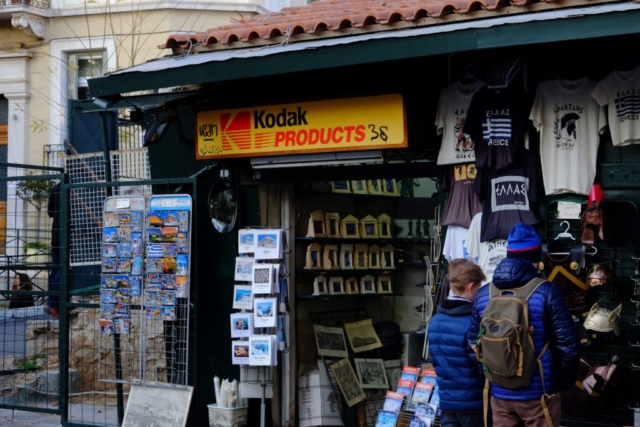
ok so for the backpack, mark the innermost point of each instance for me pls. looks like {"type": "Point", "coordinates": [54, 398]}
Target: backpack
{"type": "Point", "coordinates": [504, 344]}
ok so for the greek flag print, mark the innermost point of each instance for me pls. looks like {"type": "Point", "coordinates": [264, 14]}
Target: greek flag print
{"type": "Point", "coordinates": [496, 128]}
{"type": "Point", "coordinates": [629, 104]}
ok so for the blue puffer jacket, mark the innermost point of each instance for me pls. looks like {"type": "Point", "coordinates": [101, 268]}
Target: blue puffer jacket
{"type": "Point", "coordinates": [551, 321]}
{"type": "Point", "coordinates": [459, 380]}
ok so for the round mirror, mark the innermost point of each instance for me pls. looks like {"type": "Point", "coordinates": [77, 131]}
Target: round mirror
{"type": "Point", "coordinates": [222, 206]}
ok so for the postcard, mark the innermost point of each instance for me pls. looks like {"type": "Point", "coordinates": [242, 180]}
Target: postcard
{"type": "Point", "coordinates": [168, 312]}
{"type": "Point", "coordinates": [124, 249]}
{"type": "Point", "coordinates": [182, 286]}
{"type": "Point", "coordinates": [348, 382]}
{"type": "Point", "coordinates": [124, 234]}
{"type": "Point", "coordinates": [122, 310]}
{"type": "Point", "coordinates": [169, 234]}
{"type": "Point", "coordinates": [136, 243]}
{"type": "Point", "coordinates": [110, 219]}
{"type": "Point", "coordinates": [268, 244]}
{"type": "Point", "coordinates": [330, 341]}
{"type": "Point", "coordinates": [183, 243]}
{"type": "Point", "coordinates": [136, 285]}
{"type": "Point", "coordinates": [167, 297]}
{"type": "Point", "coordinates": [242, 297]}
{"type": "Point", "coordinates": [151, 297]}
{"type": "Point", "coordinates": [152, 311]}
{"type": "Point", "coordinates": [109, 250]}
{"type": "Point", "coordinates": [136, 265]}
{"type": "Point", "coordinates": [169, 265]}
{"type": "Point", "coordinates": [262, 350]}
{"type": "Point", "coordinates": [169, 249]}
{"type": "Point", "coordinates": [110, 235]}
{"type": "Point", "coordinates": [108, 265]}
{"type": "Point", "coordinates": [108, 281]}
{"type": "Point", "coordinates": [240, 352]}
{"type": "Point", "coordinates": [136, 219]}
{"type": "Point", "coordinates": [153, 280]}
{"type": "Point", "coordinates": [107, 296]}
{"type": "Point", "coordinates": [123, 265]}
{"type": "Point", "coordinates": [246, 241]}
{"type": "Point", "coordinates": [426, 411]}
{"type": "Point", "coordinates": [107, 311]}
{"type": "Point", "coordinates": [154, 265]}
{"type": "Point", "coordinates": [265, 312]}
{"type": "Point", "coordinates": [244, 269]}
{"type": "Point", "coordinates": [241, 325]}
{"type": "Point", "coordinates": [182, 262]}
{"type": "Point", "coordinates": [123, 295]}
{"type": "Point", "coordinates": [155, 219]}
{"type": "Point", "coordinates": [106, 326]}
{"type": "Point", "coordinates": [122, 281]}
{"type": "Point", "coordinates": [393, 401]}
{"type": "Point", "coordinates": [372, 373]}
{"type": "Point", "coordinates": [121, 325]}
{"type": "Point", "coordinates": [124, 219]}
{"type": "Point", "coordinates": [168, 282]}
{"type": "Point", "coordinates": [262, 279]}
{"type": "Point", "coordinates": [362, 336]}
{"type": "Point", "coordinates": [386, 418]}
{"type": "Point", "coordinates": [154, 235]}
{"type": "Point", "coordinates": [183, 220]}
{"type": "Point", "coordinates": [170, 218]}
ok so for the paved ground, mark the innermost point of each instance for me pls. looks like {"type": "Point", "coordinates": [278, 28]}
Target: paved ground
{"type": "Point", "coordinates": [78, 413]}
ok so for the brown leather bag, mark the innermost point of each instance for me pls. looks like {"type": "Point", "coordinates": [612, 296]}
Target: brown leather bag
{"type": "Point", "coordinates": [591, 223]}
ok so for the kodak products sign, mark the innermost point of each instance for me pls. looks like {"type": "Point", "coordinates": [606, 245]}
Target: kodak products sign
{"type": "Point", "coordinates": [373, 122]}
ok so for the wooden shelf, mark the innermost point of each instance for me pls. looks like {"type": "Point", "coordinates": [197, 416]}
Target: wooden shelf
{"type": "Point", "coordinates": [343, 297]}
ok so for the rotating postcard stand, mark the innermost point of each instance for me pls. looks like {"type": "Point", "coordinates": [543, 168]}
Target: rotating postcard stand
{"type": "Point", "coordinates": [120, 317]}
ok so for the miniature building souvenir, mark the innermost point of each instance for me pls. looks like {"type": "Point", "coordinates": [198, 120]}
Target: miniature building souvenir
{"type": "Point", "coordinates": [384, 285]}
{"type": "Point", "coordinates": [316, 226]}
{"type": "Point", "coordinates": [350, 227]}
{"type": "Point", "coordinates": [384, 226]}
{"type": "Point", "coordinates": [340, 187]}
{"type": "Point", "coordinates": [332, 224]}
{"type": "Point", "coordinates": [359, 187]}
{"type": "Point", "coordinates": [330, 257]}
{"type": "Point", "coordinates": [336, 286]}
{"type": "Point", "coordinates": [389, 187]}
{"type": "Point", "coordinates": [313, 257]}
{"type": "Point", "coordinates": [320, 286]}
{"type": "Point", "coordinates": [369, 227]}
{"type": "Point", "coordinates": [368, 284]}
{"type": "Point", "coordinates": [346, 257]}
{"type": "Point", "coordinates": [361, 258]}
{"type": "Point", "coordinates": [387, 258]}
{"type": "Point", "coordinates": [351, 286]}
{"type": "Point", "coordinates": [374, 256]}
{"type": "Point", "coordinates": [374, 186]}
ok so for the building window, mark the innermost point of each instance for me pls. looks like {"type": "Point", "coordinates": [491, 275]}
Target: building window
{"type": "Point", "coordinates": [83, 66]}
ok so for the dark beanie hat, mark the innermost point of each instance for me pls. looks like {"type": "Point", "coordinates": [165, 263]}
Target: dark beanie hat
{"type": "Point", "coordinates": [523, 242]}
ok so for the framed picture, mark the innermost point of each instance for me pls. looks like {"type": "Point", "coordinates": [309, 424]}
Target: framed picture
{"type": "Point", "coordinates": [374, 186]}
{"type": "Point", "coordinates": [330, 341]}
{"type": "Point", "coordinates": [348, 382]}
{"type": "Point", "coordinates": [372, 373]}
{"type": "Point", "coordinates": [340, 187]}
{"type": "Point", "coordinates": [359, 187]}
{"type": "Point", "coordinates": [390, 187]}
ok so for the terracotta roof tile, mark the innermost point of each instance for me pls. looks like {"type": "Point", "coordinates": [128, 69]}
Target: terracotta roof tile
{"type": "Point", "coordinates": [324, 18]}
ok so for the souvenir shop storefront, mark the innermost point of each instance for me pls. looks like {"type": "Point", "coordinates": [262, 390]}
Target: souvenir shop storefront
{"type": "Point", "coordinates": [353, 168]}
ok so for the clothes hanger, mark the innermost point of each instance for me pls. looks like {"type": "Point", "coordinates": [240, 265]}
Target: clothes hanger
{"type": "Point", "coordinates": [469, 77]}
{"type": "Point", "coordinates": [565, 233]}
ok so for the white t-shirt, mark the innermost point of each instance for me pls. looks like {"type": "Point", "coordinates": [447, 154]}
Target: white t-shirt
{"type": "Point", "coordinates": [486, 254]}
{"type": "Point", "coordinates": [454, 243]}
{"type": "Point", "coordinates": [456, 146]}
{"type": "Point", "coordinates": [621, 90]}
{"type": "Point", "coordinates": [569, 121]}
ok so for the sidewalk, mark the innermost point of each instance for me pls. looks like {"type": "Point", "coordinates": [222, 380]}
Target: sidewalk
{"type": "Point", "coordinates": [80, 413]}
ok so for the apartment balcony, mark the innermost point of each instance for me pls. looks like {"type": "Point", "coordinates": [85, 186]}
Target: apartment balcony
{"type": "Point", "coordinates": [30, 15]}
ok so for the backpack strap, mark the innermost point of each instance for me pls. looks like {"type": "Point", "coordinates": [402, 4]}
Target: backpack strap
{"type": "Point", "coordinates": [524, 291]}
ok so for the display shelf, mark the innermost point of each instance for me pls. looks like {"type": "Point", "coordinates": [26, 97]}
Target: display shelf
{"type": "Point", "coordinates": [344, 297]}
{"type": "Point", "coordinates": [305, 194]}
{"type": "Point", "coordinates": [353, 271]}
{"type": "Point", "coordinates": [362, 240]}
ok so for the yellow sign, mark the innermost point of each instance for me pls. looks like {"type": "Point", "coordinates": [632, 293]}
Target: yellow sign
{"type": "Point", "coordinates": [374, 122]}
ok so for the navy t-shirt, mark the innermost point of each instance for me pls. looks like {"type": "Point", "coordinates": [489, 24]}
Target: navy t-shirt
{"type": "Point", "coordinates": [496, 120]}
{"type": "Point", "coordinates": [507, 196]}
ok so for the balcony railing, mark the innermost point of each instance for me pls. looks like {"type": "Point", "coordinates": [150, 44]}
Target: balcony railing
{"type": "Point", "coordinates": [40, 4]}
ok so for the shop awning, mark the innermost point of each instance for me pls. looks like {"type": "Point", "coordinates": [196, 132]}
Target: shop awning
{"type": "Point", "coordinates": [583, 22]}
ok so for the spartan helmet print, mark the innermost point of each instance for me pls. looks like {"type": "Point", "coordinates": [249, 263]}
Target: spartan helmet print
{"type": "Point", "coordinates": [568, 125]}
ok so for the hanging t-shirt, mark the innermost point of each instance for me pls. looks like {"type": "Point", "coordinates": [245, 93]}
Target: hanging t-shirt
{"type": "Point", "coordinates": [507, 195]}
{"type": "Point", "coordinates": [454, 243]}
{"type": "Point", "coordinates": [621, 90]}
{"type": "Point", "coordinates": [462, 203]}
{"type": "Point", "coordinates": [456, 146]}
{"type": "Point", "coordinates": [496, 121]}
{"type": "Point", "coordinates": [569, 121]}
{"type": "Point", "coordinates": [486, 254]}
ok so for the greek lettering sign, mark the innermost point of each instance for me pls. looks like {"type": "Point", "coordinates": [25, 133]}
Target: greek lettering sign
{"type": "Point", "coordinates": [373, 122]}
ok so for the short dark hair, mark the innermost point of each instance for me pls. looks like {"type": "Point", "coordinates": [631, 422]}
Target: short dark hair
{"type": "Point", "coordinates": [463, 272]}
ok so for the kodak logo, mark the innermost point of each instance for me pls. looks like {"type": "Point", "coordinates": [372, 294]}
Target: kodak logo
{"type": "Point", "coordinates": [285, 118]}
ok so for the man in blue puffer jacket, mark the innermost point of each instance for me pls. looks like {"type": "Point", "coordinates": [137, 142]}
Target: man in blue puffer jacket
{"type": "Point", "coordinates": [549, 316]}
{"type": "Point", "coordinates": [459, 380]}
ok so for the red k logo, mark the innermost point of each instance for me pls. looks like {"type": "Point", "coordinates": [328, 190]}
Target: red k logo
{"type": "Point", "coordinates": [236, 130]}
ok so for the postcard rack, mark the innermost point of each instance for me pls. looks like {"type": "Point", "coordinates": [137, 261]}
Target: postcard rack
{"type": "Point", "coordinates": [367, 409]}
